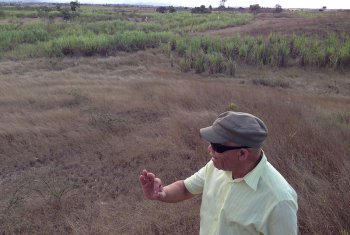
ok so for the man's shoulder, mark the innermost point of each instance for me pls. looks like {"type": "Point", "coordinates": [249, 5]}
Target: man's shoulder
{"type": "Point", "coordinates": [273, 181]}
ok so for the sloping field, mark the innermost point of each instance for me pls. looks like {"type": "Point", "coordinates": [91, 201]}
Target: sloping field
{"type": "Point", "coordinates": [75, 134]}
{"type": "Point", "coordinates": [76, 131]}
{"type": "Point", "coordinates": [289, 23]}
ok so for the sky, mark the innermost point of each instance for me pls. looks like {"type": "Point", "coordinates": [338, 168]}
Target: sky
{"type": "Point", "coordinates": [330, 4]}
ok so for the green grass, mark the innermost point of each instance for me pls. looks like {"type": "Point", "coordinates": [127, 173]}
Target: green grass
{"type": "Point", "coordinates": [91, 44]}
{"type": "Point", "coordinates": [105, 30]}
{"type": "Point", "coordinates": [276, 50]}
{"type": "Point", "coordinates": [187, 22]}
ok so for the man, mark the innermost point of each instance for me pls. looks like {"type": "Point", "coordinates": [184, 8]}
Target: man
{"type": "Point", "coordinates": [242, 193]}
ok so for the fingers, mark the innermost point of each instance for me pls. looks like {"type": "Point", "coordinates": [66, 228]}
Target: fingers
{"type": "Point", "coordinates": [152, 186]}
{"type": "Point", "coordinates": [146, 177]}
{"type": "Point", "coordinates": [157, 186]}
{"type": "Point", "coordinates": [144, 172]}
{"type": "Point", "coordinates": [143, 176]}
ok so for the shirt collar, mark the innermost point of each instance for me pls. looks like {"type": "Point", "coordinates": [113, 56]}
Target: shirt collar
{"type": "Point", "coordinates": [252, 178]}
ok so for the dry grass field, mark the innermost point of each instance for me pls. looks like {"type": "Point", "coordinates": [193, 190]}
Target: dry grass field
{"type": "Point", "coordinates": [299, 22]}
{"type": "Point", "coordinates": [76, 132]}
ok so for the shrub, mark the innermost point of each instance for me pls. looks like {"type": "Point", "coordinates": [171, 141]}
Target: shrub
{"type": "Point", "coordinates": [343, 118]}
{"type": "Point", "coordinates": [2, 14]}
{"type": "Point", "coordinates": [11, 38]}
{"type": "Point", "coordinates": [271, 82]}
{"type": "Point", "coordinates": [74, 5]}
{"type": "Point", "coordinates": [215, 63]}
{"type": "Point", "coordinates": [232, 106]}
{"type": "Point", "coordinates": [344, 55]}
{"type": "Point", "coordinates": [161, 9]}
{"type": "Point", "coordinates": [199, 63]}
{"type": "Point", "coordinates": [185, 65]}
{"type": "Point", "coordinates": [278, 8]}
{"type": "Point", "coordinates": [200, 10]}
{"type": "Point", "coordinates": [230, 67]}
{"type": "Point", "coordinates": [66, 14]}
{"type": "Point", "coordinates": [255, 8]}
{"type": "Point", "coordinates": [171, 9]}
{"type": "Point", "coordinates": [230, 49]}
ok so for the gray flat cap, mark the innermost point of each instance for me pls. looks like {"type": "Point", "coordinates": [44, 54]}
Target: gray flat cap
{"type": "Point", "coordinates": [242, 128]}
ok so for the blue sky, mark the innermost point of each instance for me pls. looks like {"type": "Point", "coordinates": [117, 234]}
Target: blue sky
{"type": "Point", "coordinates": [333, 4]}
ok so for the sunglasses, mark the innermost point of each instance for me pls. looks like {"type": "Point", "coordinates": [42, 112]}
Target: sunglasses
{"type": "Point", "coordinates": [219, 148]}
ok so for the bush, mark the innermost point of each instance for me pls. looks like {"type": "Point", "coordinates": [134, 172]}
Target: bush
{"type": "Point", "coordinates": [66, 14]}
{"type": "Point", "coordinates": [161, 9]}
{"type": "Point", "coordinates": [199, 63]}
{"type": "Point", "coordinates": [215, 63]}
{"type": "Point", "coordinates": [185, 65]}
{"type": "Point", "coordinates": [232, 106]}
{"type": "Point", "coordinates": [230, 68]}
{"type": "Point", "coordinates": [278, 8]}
{"type": "Point", "coordinates": [255, 8]}
{"type": "Point", "coordinates": [74, 5]}
{"type": "Point", "coordinates": [2, 14]}
{"type": "Point", "coordinates": [271, 82]}
{"type": "Point", "coordinates": [200, 10]}
{"type": "Point", "coordinates": [171, 9]}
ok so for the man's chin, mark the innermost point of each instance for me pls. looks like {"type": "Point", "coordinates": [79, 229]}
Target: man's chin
{"type": "Point", "coordinates": [216, 165]}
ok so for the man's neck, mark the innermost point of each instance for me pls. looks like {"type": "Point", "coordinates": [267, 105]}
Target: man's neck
{"type": "Point", "coordinates": [246, 169]}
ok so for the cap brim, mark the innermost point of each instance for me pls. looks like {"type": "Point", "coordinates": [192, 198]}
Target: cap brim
{"type": "Point", "coordinates": [211, 136]}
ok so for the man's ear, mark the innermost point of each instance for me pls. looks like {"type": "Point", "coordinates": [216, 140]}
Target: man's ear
{"type": "Point", "coordinates": [243, 154]}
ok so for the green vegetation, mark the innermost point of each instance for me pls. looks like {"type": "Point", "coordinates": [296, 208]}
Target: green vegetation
{"type": "Point", "coordinates": [275, 50]}
{"type": "Point", "coordinates": [74, 120]}
{"type": "Point", "coordinates": [60, 31]}
{"type": "Point", "coordinates": [187, 22]}
{"type": "Point", "coordinates": [271, 82]}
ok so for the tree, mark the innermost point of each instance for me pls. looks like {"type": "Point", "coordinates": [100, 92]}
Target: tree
{"type": "Point", "coordinates": [161, 9]}
{"type": "Point", "coordinates": [254, 8]}
{"type": "Point", "coordinates": [58, 7]}
{"type": "Point", "coordinates": [171, 9]}
{"type": "Point", "coordinates": [74, 5]}
{"type": "Point", "coordinates": [65, 13]}
{"type": "Point", "coordinates": [200, 9]}
{"type": "Point", "coordinates": [278, 8]}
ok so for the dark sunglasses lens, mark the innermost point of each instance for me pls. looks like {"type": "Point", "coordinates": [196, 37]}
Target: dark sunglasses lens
{"type": "Point", "coordinates": [217, 148]}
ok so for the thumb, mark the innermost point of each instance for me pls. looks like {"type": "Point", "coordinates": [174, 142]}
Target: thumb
{"type": "Point", "coordinates": [157, 186]}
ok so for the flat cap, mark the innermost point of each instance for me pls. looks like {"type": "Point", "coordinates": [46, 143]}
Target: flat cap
{"type": "Point", "coordinates": [242, 128]}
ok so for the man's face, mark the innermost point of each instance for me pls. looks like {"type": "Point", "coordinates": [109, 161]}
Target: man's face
{"type": "Point", "coordinates": [228, 160]}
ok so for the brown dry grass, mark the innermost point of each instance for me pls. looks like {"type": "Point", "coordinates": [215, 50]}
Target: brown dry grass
{"type": "Point", "coordinates": [75, 134]}
{"type": "Point", "coordinates": [320, 23]}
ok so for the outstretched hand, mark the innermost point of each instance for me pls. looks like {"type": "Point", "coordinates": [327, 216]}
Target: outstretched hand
{"type": "Point", "coordinates": [152, 186]}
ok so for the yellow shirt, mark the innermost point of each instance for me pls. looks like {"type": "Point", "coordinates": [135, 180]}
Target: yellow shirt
{"type": "Point", "coordinates": [262, 202]}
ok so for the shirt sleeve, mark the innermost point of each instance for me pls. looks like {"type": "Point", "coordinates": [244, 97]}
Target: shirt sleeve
{"type": "Point", "coordinates": [283, 219]}
{"type": "Point", "coordinates": [195, 183]}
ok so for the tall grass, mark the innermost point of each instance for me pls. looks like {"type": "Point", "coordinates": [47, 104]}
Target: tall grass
{"type": "Point", "coordinates": [77, 128]}
{"type": "Point", "coordinates": [187, 22]}
{"type": "Point", "coordinates": [276, 50]}
{"type": "Point", "coordinates": [111, 27]}
{"type": "Point", "coordinates": [91, 44]}
{"type": "Point", "coordinates": [9, 39]}
{"type": "Point", "coordinates": [104, 31]}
